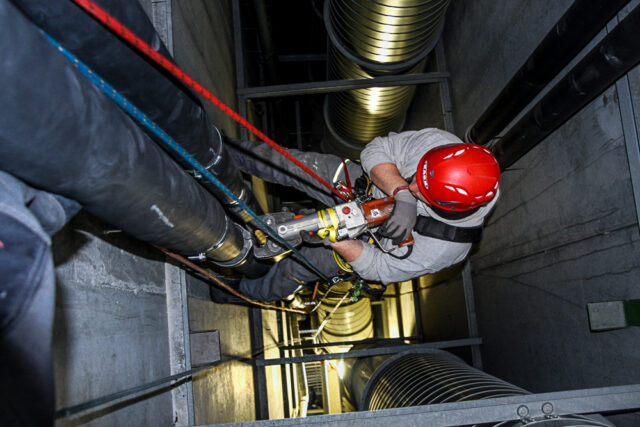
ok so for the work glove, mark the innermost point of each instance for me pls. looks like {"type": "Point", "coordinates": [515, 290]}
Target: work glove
{"type": "Point", "coordinates": [403, 218]}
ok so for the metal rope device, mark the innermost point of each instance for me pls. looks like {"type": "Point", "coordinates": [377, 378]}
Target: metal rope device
{"type": "Point", "coordinates": [105, 18]}
{"type": "Point", "coordinates": [171, 143]}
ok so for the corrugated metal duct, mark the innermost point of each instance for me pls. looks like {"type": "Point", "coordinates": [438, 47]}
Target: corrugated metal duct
{"type": "Point", "coordinates": [371, 38]}
{"type": "Point", "coordinates": [428, 377]}
{"type": "Point", "coordinates": [350, 322]}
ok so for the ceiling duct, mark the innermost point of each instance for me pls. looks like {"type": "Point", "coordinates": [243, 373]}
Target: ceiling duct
{"type": "Point", "coordinates": [368, 39]}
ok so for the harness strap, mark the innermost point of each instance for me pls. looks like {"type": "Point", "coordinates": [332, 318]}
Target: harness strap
{"type": "Point", "coordinates": [431, 227]}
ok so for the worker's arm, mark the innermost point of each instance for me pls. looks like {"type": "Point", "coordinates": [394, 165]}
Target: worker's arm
{"type": "Point", "coordinates": [405, 213]}
{"type": "Point", "coordinates": [349, 250]}
{"type": "Point", "coordinates": [388, 155]}
{"type": "Point", "coordinates": [428, 256]}
{"type": "Point", "coordinates": [387, 177]}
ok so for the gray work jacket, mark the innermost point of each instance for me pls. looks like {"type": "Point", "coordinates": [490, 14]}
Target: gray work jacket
{"type": "Point", "coordinates": [429, 255]}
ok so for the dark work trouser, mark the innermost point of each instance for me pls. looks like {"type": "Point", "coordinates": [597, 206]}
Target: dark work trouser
{"type": "Point", "coordinates": [262, 161]}
{"type": "Point", "coordinates": [27, 218]}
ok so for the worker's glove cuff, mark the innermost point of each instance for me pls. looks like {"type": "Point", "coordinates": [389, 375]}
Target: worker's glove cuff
{"type": "Point", "coordinates": [405, 196]}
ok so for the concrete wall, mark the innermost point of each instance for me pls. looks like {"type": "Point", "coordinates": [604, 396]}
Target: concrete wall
{"type": "Point", "coordinates": [224, 393]}
{"type": "Point", "coordinates": [110, 330]}
{"type": "Point", "coordinates": [565, 232]}
{"type": "Point", "coordinates": [203, 47]}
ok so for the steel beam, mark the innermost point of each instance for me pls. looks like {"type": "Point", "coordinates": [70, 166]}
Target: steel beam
{"type": "Point", "coordinates": [338, 85]}
{"type": "Point", "coordinates": [472, 320]}
{"type": "Point", "coordinates": [302, 58]}
{"type": "Point", "coordinates": [239, 60]}
{"type": "Point", "coordinates": [445, 94]}
{"type": "Point", "coordinates": [629, 129]}
{"type": "Point", "coordinates": [369, 352]}
{"type": "Point", "coordinates": [526, 408]}
{"type": "Point", "coordinates": [162, 22]}
{"type": "Point", "coordinates": [417, 308]}
{"type": "Point", "coordinates": [259, 375]}
{"type": "Point", "coordinates": [364, 341]}
{"type": "Point", "coordinates": [179, 342]}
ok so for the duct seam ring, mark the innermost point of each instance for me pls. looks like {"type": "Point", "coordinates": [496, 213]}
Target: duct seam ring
{"type": "Point", "coordinates": [215, 160]}
{"type": "Point", "coordinates": [222, 239]}
{"type": "Point", "coordinates": [220, 146]}
{"type": "Point", "coordinates": [209, 166]}
{"type": "Point", "coordinates": [235, 203]}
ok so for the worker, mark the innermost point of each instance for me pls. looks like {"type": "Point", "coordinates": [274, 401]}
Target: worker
{"type": "Point", "coordinates": [443, 191]}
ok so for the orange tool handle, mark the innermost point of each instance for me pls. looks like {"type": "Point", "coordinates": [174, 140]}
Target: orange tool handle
{"type": "Point", "coordinates": [378, 211]}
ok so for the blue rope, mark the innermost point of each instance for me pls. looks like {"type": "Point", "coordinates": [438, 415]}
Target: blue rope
{"type": "Point", "coordinates": [108, 90]}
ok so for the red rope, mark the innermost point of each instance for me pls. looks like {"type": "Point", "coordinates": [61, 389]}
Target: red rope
{"type": "Point", "coordinates": [109, 21]}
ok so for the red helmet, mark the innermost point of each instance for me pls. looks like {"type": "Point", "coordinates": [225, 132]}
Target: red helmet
{"type": "Point", "coordinates": [458, 177]}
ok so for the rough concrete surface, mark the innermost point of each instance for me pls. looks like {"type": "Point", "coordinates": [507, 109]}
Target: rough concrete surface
{"type": "Point", "coordinates": [203, 47]}
{"type": "Point", "coordinates": [565, 231]}
{"type": "Point", "coordinates": [486, 42]}
{"type": "Point", "coordinates": [443, 311]}
{"type": "Point", "coordinates": [224, 393]}
{"type": "Point", "coordinates": [110, 330]}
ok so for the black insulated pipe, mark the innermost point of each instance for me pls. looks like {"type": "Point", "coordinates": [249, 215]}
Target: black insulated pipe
{"type": "Point", "coordinates": [575, 29]}
{"type": "Point", "coordinates": [60, 133]}
{"type": "Point", "coordinates": [159, 95]}
{"type": "Point", "coordinates": [609, 60]}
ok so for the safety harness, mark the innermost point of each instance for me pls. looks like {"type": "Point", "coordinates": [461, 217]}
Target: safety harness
{"type": "Point", "coordinates": [431, 227]}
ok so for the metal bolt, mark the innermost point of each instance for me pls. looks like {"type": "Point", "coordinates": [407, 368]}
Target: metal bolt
{"type": "Point", "coordinates": [523, 411]}
{"type": "Point", "coordinates": [547, 408]}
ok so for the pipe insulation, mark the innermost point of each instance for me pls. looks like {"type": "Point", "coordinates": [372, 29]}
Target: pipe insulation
{"type": "Point", "coordinates": [368, 39]}
{"type": "Point", "coordinates": [156, 93]}
{"type": "Point", "coordinates": [609, 60]}
{"type": "Point", "coordinates": [577, 27]}
{"type": "Point", "coordinates": [59, 133]}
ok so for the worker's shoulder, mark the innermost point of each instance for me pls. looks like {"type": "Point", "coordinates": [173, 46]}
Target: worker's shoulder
{"type": "Point", "coordinates": [431, 136]}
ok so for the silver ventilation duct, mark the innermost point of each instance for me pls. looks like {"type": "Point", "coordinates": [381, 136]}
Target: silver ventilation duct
{"type": "Point", "coordinates": [428, 377]}
{"type": "Point", "coordinates": [371, 38]}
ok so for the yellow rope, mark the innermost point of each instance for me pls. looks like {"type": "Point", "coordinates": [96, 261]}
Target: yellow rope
{"type": "Point", "coordinates": [342, 263]}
